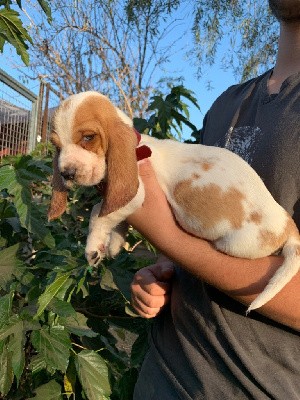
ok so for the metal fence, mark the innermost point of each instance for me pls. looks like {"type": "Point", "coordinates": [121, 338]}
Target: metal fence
{"type": "Point", "coordinates": [25, 118]}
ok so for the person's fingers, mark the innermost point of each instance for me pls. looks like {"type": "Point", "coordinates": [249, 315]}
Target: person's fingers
{"type": "Point", "coordinates": [146, 310]}
{"type": "Point", "coordinates": [155, 280]}
{"type": "Point", "coordinates": [150, 288]}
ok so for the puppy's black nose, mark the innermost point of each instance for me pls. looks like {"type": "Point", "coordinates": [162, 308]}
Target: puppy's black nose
{"type": "Point", "coordinates": [68, 174]}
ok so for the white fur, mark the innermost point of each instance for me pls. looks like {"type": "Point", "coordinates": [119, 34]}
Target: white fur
{"type": "Point", "coordinates": [176, 162]}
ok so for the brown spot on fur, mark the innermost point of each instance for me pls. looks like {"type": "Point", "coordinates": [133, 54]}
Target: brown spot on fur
{"type": "Point", "coordinates": [270, 239]}
{"type": "Point", "coordinates": [206, 166]}
{"type": "Point", "coordinates": [196, 176]}
{"type": "Point", "coordinates": [256, 217]}
{"type": "Point", "coordinates": [209, 204]}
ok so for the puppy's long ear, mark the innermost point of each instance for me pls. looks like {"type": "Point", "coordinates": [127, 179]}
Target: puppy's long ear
{"type": "Point", "coordinates": [122, 170]}
{"type": "Point", "coordinates": [58, 201]}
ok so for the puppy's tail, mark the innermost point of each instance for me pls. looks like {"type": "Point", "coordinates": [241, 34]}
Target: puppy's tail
{"type": "Point", "coordinates": [289, 268]}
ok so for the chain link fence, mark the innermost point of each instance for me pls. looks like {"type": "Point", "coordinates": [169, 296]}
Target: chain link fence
{"type": "Point", "coordinates": [25, 118]}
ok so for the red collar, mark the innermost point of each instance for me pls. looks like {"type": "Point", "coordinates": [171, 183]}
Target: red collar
{"type": "Point", "coordinates": [141, 151]}
{"type": "Point", "coordinates": [138, 135]}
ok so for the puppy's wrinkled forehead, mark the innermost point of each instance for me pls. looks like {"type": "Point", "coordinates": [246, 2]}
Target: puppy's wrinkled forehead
{"type": "Point", "coordinates": [78, 112]}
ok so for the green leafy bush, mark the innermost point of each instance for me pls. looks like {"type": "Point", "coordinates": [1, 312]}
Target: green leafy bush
{"type": "Point", "coordinates": [62, 325]}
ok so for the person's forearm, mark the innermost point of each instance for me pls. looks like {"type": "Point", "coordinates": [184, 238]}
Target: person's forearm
{"type": "Point", "coordinates": [240, 278]}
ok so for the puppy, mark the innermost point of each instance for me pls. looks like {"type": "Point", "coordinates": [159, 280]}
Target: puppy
{"type": "Point", "coordinates": [214, 193]}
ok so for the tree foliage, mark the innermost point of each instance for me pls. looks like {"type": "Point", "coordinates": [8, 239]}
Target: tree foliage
{"type": "Point", "coordinates": [250, 31]}
{"type": "Point", "coordinates": [66, 330]}
{"type": "Point", "coordinates": [111, 46]}
{"type": "Point", "coordinates": [12, 30]}
{"type": "Point", "coordinates": [119, 45]}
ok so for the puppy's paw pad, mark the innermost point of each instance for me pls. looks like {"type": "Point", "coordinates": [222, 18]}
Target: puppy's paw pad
{"type": "Point", "coordinates": [94, 257]}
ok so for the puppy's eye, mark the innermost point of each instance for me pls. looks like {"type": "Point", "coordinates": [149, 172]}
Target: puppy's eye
{"type": "Point", "coordinates": [88, 138]}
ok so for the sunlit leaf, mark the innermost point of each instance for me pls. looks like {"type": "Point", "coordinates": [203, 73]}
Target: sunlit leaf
{"type": "Point", "coordinates": [8, 264]}
{"type": "Point", "coordinates": [78, 325]}
{"type": "Point", "coordinates": [6, 371]}
{"type": "Point", "coordinates": [48, 391]}
{"type": "Point", "coordinates": [12, 31]}
{"type": "Point", "coordinates": [93, 375]}
{"type": "Point", "coordinates": [54, 345]}
{"type": "Point", "coordinates": [52, 290]}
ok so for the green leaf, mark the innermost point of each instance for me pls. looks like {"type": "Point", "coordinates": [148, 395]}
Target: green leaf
{"type": "Point", "coordinates": [16, 345]}
{"type": "Point", "coordinates": [13, 326]}
{"type": "Point", "coordinates": [52, 290]}
{"type": "Point", "coordinates": [140, 124]}
{"type": "Point", "coordinates": [12, 31]}
{"type": "Point", "coordinates": [18, 185]}
{"type": "Point", "coordinates": [5, 309]}
{"type": "Point", "coordinates": [119, 276]}
{"type": "Point", "coordinates": [9, 264]}
{"type": "Point", "coordinates": [48, 391]}
{"type": "Point", "coordinates": [77, 325]}
{"type": "Point", "coordinates": [38, 363]}
{"type": "Point", "coordinates": [54, 345]}
{"type": "Point", "coordinates": [62, 308]}
{"type": "Point", "coordinates": [6, 372]}
{"type": "Point", "coordinates": [107, 281]}
{"type": "Point", "coordinates": [46, 8]}
{"type": "Point", "coordinates": [93, 375]}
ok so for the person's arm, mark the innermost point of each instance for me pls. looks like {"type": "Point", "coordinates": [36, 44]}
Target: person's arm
{"type": "Point", "coordinates": [242, 279]}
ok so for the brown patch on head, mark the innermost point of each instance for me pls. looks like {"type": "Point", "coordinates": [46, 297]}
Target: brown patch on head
{"type": "Point", "coordinates": [91, 123]}
{"type": "Point", "coordinates": [97, 120]}
{"type": "Point", "coordinates": [256, 217]}
{"type": "Point", "coordinates": [210, 204]}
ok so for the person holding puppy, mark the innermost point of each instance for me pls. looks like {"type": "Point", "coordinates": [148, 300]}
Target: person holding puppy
{"type": "Point", "coordinates": [202, 344]}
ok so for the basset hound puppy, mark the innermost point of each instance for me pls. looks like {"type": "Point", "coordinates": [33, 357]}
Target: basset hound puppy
{"type": "Point", "coordinates": [213, 193]}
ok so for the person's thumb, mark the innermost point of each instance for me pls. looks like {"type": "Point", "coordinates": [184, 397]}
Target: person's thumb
{"type": "Point", "coordinates": [145, 168]}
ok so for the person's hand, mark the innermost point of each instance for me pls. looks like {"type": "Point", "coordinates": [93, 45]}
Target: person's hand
{"type": "Point", "coordinates": [151, 287]}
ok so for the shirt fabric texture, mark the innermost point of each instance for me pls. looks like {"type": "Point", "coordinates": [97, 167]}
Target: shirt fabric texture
{"type": "Point", "coordinates": [202, 346]}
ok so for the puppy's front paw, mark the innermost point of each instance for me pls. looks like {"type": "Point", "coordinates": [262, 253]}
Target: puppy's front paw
{"type": "Point", "coordinates": [95, 255]}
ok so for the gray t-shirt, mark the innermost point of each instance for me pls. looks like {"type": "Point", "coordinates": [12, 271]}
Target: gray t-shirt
{"type": "Point", "coordinates": [202, 346]}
